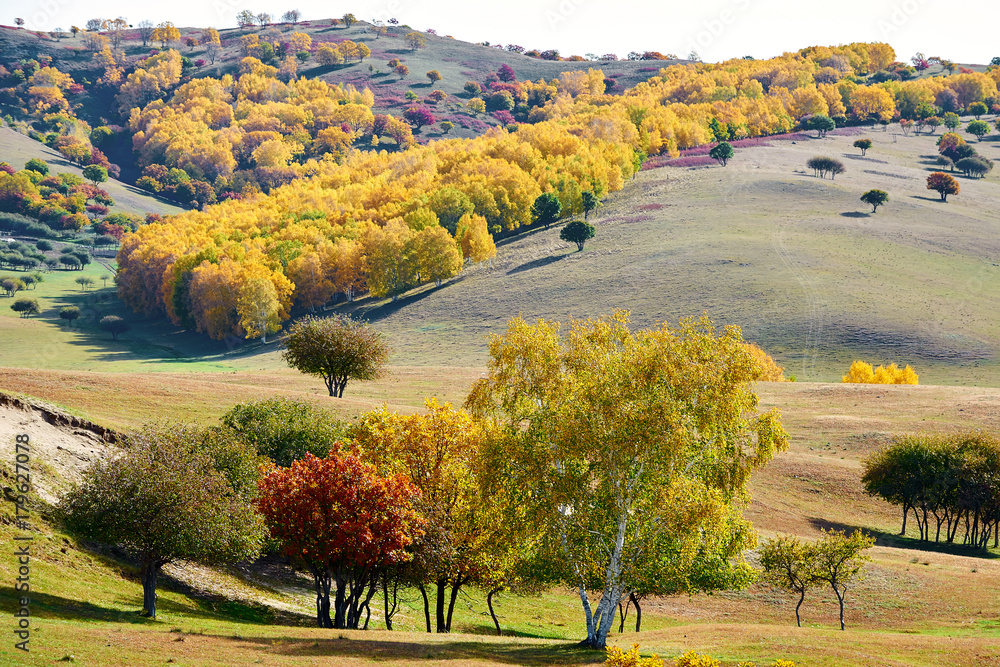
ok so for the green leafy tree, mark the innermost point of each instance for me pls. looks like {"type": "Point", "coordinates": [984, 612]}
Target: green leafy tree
{"type": "Point", "coordinates": [719, 130]}
{"type": "Point", "coordinates": [589, 200]}
{"type": "Point", "coordinates": [838, 561]}
{"type": "Point", "coordinates": [11, 286]}
{"type": "Point", "coordinates": [337, 349]}
{"type": "Point", "coordinates": [25, 307]}
{"type": "Point", "coordinates": [876, 198]}
{"type": "Point", "coordinates": [163, 499]}
{"type": "Point", "coordinates": [284, 430]}
{"type": "Point", "coordinates": [546, 209]}
{"type": "Point", "coordinates": [69, 313]}
{"type": "Point", "coordinates": [577, 232]}
{"type": "Point", "coordinates": [95, 173]}
{"type": "Point", "coordinates": [863, 144]}
{"type": "Point", "coordinates": [788, 564]}
{"type": "Point", "coordinates": [114, 325]}
{"type": "Point", "coordinates": [952, 121]}
{"type": "Point", "coordinates": [722, 153]}
{"type": "Point", "coordinates": [84, 282]}
{"type": "Point", "coordinates": [34, 164]}
{"type": "Point", "coordinates": [614, 441]}
{"type": "Point", "coordinates": [975, 165]}
{"type": "Point", "coordinates": [978, 128]}
{"type": "Point", "coordinates": [822, 124]}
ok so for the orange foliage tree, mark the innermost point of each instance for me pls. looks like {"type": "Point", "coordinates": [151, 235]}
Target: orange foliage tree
{"type": "Point", "coordinates": [344, 523]}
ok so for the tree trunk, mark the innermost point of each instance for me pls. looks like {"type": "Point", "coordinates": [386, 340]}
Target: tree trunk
{"type": "Point", "coordinates": [339, 618]}
{"type": "Point", "coordinates": [454, 597]}
{"type": "Point", "coordinates": [427, 606]}
{"type": "Point", "coordinates": [638, 611]}
{"type": "Point", "coordinates": [622, 613]}
{"type": "Point", "coordinates": [343, 384]}
{"type": "Point", "coordinates": [150, 571]}
{"type": "Point", "coordinates": [442, 586]}
{"type": "Point", "coordinates": [493, 614]}
{"type": "Point", "coordinates": [389, 611]}
{"type": "Point", "coordinates": [802, 597]}
{"type": "Point", "coordinates": [840, 599]}
{"type": "Point", "coordinates": [322, 583]}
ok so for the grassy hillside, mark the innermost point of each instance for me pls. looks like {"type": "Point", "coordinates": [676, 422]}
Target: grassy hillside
{"type": "Point", "coordinates": [17, 149]}
{"type": "Point", "coordinates": [799, 262]}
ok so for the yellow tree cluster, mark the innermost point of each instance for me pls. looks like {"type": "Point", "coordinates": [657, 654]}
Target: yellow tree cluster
{"type": "Point", "coordinates": [212, 127]}
{"type": "Point", "coordinates": [862, 373]}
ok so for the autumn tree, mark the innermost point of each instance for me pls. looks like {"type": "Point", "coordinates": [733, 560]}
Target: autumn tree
{"type": "Point", "coordinates": [839, 559]}
{"type": "Point", "coordinates": [336, 349]}
{"type": "Point", "coordinates": [789, 564]}
{"type": "Point", "coordinates": [434, 76]}
{"type": "Point", "coordinates": [345, 523]}
{"type": "Point", "coordinates": [114, 325]}
{"type": "Point", "coordinates": [349, 20]}
{"type": "Point", "coordinates": [166, 496]}
{"type": "Point", "coordinates": [606, 435]}
{"type": "Point", "coordinates": [402, 70]}
{"type": "Point", "coordinates": [944, 185]}
{"type": "Point", "coordinates": [876, 198]}
{"type": "Point", "coordinates": [213, 43]}
{"type": "Point", "coordinates": [872, 103]}
{"type": "Point", "coordinates": [577, 232]}
{"type": "Point", "coordinates": [166, 32]}
{"type": "Point", "coordinates": [436, 452]}
{"type": "Point", "coordinates": [863, 144]}
{"type": "Point", "coordinates": [977, 109]}
{"type": "Point", "coordinates": [546, 209]}
{"type": "Point", "coordinates": [722, 152]}
{"type": "Point", "coordinates": [415, 40]}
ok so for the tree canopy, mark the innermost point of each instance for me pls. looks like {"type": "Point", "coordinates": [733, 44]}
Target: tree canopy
{"type": "Point", "coordinates": [618, 441]}
{"type": "Point", "coordinates": [337, 349]}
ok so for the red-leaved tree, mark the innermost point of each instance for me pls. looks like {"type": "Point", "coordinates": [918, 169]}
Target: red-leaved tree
{"type": "Point", "coordinates": [345, 523]}
{"type": "Point", "coordinates": [418, 116]}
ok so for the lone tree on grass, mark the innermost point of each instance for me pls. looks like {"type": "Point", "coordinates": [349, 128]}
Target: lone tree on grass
{"type": "Point", "coordinates": [589, 200]}
{"type": "Point", "coordinates": [114, 325]}
{"type": "Point", "coordinates": [546, 209]}
{"type": "Point", "coordinates": [975, 165]}
{"type": "Point", "coordinates": [838, 561]}
{"type": "Point", "coordinates": [26, 307]}
{"type": "Point", "coordinates": [978, 128]}
{"type": "Point", "coordinates": [788, 564]}
{"type": "Point", "coordinates": [344, 523]}
{"type": "Point", "coordinates": [336, 349]}
{"type": "Point", "coordinates": [822, 166]}
{"type": "Point", "coordinates": [606, 486]}
{"type": "Point", "coordinates": [944, 185]}
{"type": "Point", "coordinates": [876, 198]}
{"type": "Point", "coordinates": [577, 232]}
{"type": "Point", "coordinates": [84, 282]}
{"type": "Point", "coordinates": [863, 144]}
{"type": "Point", "coordinates": [434, 76]}
{"type": "Point", "coordinates": [69, 313]}
{"type": "Point", "coordinates": [95, 173]}
{"type": "Point", "coordinates": [166, 497]}
{"type": "Point", "coordinates": [722, 152]}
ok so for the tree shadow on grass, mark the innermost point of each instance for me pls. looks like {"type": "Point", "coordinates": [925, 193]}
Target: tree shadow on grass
{"type": "Point", "coordinates": [373, 311]}
{"type": "Point", "coordinates": [894, 541]}
{"type": "Point", "coordinates": [855, 214]}
{"type": "Point", "coordinates": [536, 264]}
{"type": "Point", "coordinates": [341, 646]}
